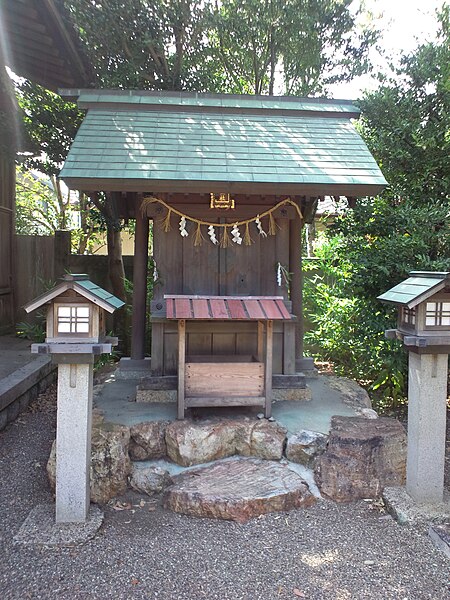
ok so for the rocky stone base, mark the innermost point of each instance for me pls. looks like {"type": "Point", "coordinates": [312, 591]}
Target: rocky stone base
{"type": "Point", "coordinates": [110, 462]}
{"type": "Point", "coordinates": [191, 443]}
{"type": "Point", "coordinates": [362, 457]}
{"type": "Point", "coordinates": [238, 490]}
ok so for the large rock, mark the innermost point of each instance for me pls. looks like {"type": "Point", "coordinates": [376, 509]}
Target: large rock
{"type": "Point", "coordinates": [363, 456]}
{"type": "Point", "coordinates": [305, 446]}
{"type": "Point", "coordinates": [150, 480]}
{"type": "Point", "coordinates": [191, 443]}
{"type": "Point", "coordinates": [238, 490]}
{"type": "Point", "coordinates": [267, 440]}
{"type": "Point", "coordinates": [148, 440]}
{"type": "Point", "coordinates": [110, 463]}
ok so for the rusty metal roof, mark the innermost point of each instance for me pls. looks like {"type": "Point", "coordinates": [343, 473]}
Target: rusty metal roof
{"type": "Point", "coordinates": [240, 308]}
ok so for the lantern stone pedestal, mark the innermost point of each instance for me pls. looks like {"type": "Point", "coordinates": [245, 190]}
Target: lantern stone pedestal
{"type": "Point", "coordinates": [73, 442]}
{"type": "Point", "coordinates": [427, 394]}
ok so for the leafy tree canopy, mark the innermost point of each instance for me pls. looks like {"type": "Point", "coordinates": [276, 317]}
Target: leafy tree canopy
{"type": "Point", "coordinates": [228, 46]}
{"type": "Point", "coordinates": [373, 246]}
{"type": "Point", "coordinates": [406, 122]}
{"type": "Point", "coordinates": [312, 43]}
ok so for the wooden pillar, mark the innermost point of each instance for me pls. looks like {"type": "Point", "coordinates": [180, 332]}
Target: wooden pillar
{"type": "Point", "coordinates": [181, 367]}
{"type": "Point", "coordinates": [295, 268]}
{"type": "Point", "coordinates": [268, 370]}
{"type": "Point", "coordinates": [138, 318]}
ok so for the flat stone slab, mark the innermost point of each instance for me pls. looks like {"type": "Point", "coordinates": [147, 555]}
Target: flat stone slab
{"type": "Point", "coordinates": [40, 529]}
{"type": "Point", "coordinates": [238, 490]}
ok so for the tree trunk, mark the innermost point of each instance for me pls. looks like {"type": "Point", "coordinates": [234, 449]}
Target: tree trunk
{"type": "Point", "coordinates": [116, 269]}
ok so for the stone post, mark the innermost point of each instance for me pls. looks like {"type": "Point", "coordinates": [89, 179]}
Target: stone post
{"type": "Point", "coordinates": [73, 442]}
{"type": "Point", "coordinates": [427, 393]}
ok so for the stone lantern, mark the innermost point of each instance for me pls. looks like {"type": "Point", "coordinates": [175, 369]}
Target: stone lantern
{"type": "Point", "coordinates": [75, 335]}
{"type": "Point", "coordinates": [423, 326]}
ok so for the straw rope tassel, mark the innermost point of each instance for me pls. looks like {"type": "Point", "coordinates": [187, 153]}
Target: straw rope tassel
{"type": "Point", "coordinates": [272, 225]}
{"type": "Point", "coordinates": [247, 239]}
{"type": "Point", "coordinates": [198, 238]}
{"type": "Point", "coordinates": [225, 239]}
{"type": "Point", "coordinates": [166, 221]}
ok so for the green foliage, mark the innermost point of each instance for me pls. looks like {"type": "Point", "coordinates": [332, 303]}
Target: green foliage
{"type": "Point", "coordinates": [147, 45]}
{"type": "Point", "coordinates": [37, 209]}
{"type": "Point", "coordinates": [50, 124]}
{"type": "Point", "coordinates": [313, 43]}
{"type": "Point", "coordinates": [348, 329]}
{"type": "Point", "coordinates": [231, 46]}
{"type": "Point", "coordinates": [373, 247]}
{"type": "Point", "coordinates": [35, 332]}
{"type": "Point", "coordinates": [406, 122]}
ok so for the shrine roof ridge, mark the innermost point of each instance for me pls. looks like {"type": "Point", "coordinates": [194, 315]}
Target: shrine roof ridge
{"type": "Point", "coordinates": [195, 101]}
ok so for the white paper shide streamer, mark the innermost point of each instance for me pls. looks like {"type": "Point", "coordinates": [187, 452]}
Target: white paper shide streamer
{"type": "Point", "coordinates": [212, 235]}
{"type": "Point", "coordinates": [236, 235]}
{"type": "Point", "coordinates": [259, 227]}
{"type": "Point", "coordinates": [182, 227]}
{"type": "Point", "coordinates": [155, 271]}
{"type": "Point", "coordinates": [279, 275]}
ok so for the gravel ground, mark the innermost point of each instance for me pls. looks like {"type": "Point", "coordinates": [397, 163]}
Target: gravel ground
{"type": "Point", "coordinates": [328, 551]}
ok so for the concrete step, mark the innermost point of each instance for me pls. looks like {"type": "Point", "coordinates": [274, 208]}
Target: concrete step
{"type": "Point", "coordinates": [22, 386]}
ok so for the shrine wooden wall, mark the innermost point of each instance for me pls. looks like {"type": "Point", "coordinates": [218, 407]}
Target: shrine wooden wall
{"type": "Point", "coordinates": [211, 270]}
{"type": "Point", "coordinates": [208, 269]}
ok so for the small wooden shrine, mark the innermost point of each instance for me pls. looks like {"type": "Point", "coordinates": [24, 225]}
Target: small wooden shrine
{"type": "Point", "coordinates": [226, 379]}
{"type": "Point", "coordinates": [225, 182]}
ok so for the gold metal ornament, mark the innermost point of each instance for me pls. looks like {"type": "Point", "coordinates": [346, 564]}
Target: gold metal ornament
{"type": "Point", "coordinates": [222, 201]}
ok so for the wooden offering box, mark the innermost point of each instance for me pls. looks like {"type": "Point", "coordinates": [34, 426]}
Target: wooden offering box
{"type": "Point", "coordinates": [226, 380]}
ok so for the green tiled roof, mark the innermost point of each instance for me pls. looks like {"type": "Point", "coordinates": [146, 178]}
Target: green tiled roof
{"type": "Point", "coordinates": [417, 288]}
{"type": "Point", "coordinates": [95, 290]}
{"type": "Point", "coordinates": [154, 138]}
{"type": "Point", "coordinates": [81, 283]}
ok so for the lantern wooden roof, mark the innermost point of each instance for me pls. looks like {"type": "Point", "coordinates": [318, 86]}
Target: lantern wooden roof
{"type": "Point", "coordinates": [81, 284]}
{"type": "Point", "coordinates": [419, 286]}
{"type": "Point", "coordinates": [162, 141]}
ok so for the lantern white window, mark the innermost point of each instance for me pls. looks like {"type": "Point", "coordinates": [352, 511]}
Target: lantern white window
{"type": "Point", "coordinates": [73, 319]}
{"type": "Point", "coordinates": [409, 316]}
{"type": "Point", "coordinates": [437, 314]}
